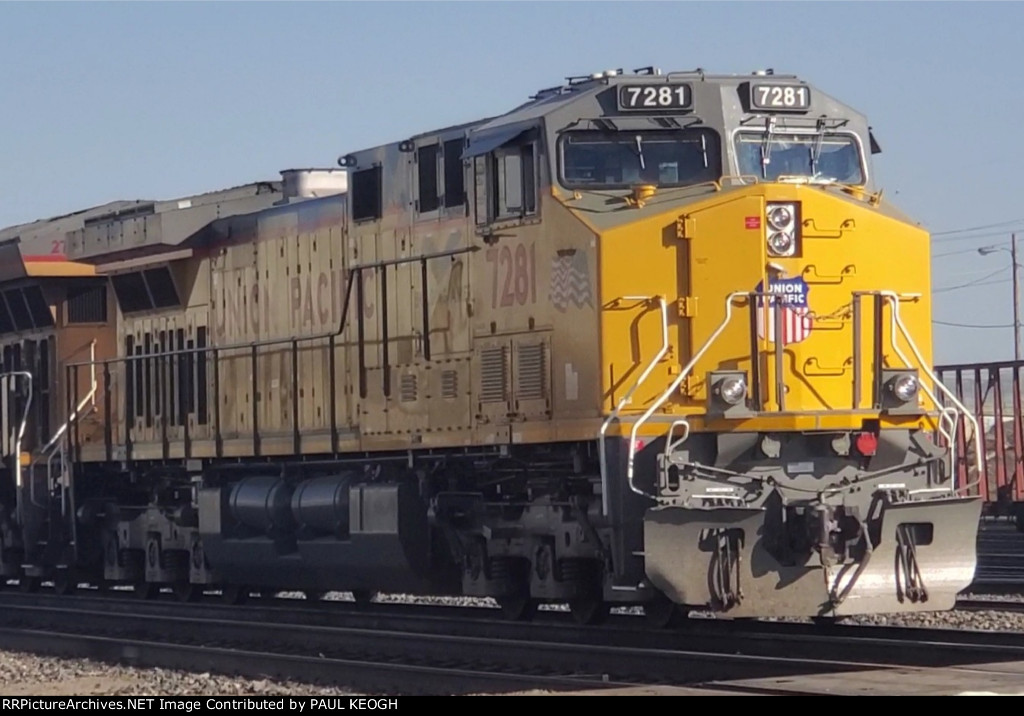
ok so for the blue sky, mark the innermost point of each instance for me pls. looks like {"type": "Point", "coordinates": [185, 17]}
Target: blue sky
{"type": "Point", "coordinates": [102, 101]}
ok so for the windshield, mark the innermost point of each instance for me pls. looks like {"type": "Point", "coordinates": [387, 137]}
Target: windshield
{"type": "Point", "coordinates": [611, 160]}
{"type": "Point", "coordinates": [822, 157]}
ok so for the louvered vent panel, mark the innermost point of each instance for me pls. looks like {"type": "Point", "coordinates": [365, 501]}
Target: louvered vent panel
{"type": "Point", "coordinates": [530, 372]}
{"type": "Point", "coordinates": [493, 375]}
{"type": "Point", "coordinates": [449, 384]}
{"type": "Point", "coordinates": [407, 389]}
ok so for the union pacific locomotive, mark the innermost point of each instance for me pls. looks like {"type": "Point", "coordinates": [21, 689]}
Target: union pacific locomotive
{"type": "Point", "coordinates": [646, 339]}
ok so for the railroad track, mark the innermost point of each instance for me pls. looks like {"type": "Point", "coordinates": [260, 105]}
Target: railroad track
{"type": "Point", "coordinates": [199, 638]}
{"type": "Point", "coordinates": [1000, 558]}
{"type": "Point", "coordinates": [432, 650]}
{"type": "Point", "coordinates": [975, 604]}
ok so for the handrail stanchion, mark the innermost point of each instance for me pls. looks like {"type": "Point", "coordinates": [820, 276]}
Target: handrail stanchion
{"type": "Point", "coordinates": [663, 304]}
{"type": "Point", "coordinates": [18, 435]}
{"type": "Point", "coordinates": [683, 374]}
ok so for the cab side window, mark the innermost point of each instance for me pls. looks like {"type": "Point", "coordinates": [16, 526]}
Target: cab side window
{"type": "Point", "coordinates": [454, 174]}
{"type": "Point", "coordinates": [429, 198]}
{"type": "Point", "coordinates": [506, 183]}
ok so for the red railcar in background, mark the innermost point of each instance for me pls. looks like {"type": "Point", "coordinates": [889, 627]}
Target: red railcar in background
{"type": "Point", "coordinates": [993, 392]}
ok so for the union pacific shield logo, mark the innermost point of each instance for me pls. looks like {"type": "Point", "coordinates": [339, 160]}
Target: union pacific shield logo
{"type": "Point", "coordinates": [792, 299]}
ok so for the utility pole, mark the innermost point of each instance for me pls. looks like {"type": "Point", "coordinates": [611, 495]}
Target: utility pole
{"type": "Point", "coordinates": [1016, 298]}
{"type": "Point", "coordinates": [985, 251]}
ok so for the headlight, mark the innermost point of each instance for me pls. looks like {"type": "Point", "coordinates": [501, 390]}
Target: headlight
{"type": "Point", "coordinates": [900, 390]}
{"type": "Point", "coordinates": [728, 394]}
{"type": "Point", "coordinates": [904, 387]}
{"type": "Point", "coordinates": [783, 223]}
{"type": "Point", "coordinates": [780, 218]}
{"type": "Point", "coordinates": [732, 390]}
{"type": "Point", "coordinates": [781, 244]}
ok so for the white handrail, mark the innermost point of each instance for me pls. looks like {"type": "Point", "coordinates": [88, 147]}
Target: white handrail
{"type": "Point", "coordinates": [629, 393]}
{"type": "Point", "coordinates": [944, 412]}
{"type": "Point", "coordinates": [675, 384]}
{"type": "Point", "coordinates": [894, 298]}
{"type": "Point", "coordinates": [897, 322]}
{"type": "Point", "coordinates": [90, 397]}
{"type": "Point", "coordinates": [18, 436]}
{"type": "Point", "coordinates": [54, 446]}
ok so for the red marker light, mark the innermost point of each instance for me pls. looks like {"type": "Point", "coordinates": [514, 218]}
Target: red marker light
{"type": "Point", "coordinates": [867, 443]}
{"type": "Point", "coordinates": [752, 222]}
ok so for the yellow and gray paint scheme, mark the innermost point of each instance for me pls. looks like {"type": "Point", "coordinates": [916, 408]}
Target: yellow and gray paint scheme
{"type": "Point", "coordinates": [648, 338]}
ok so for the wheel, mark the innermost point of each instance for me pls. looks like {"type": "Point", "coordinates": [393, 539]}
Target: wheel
{"type": "Point", "coordinates": [146, 590]}
{"type": "Point", "coordinates": [314, 595]}
{"type": "Point", "coordinates": [186, 591]}
{"type": "Point", "coordinates": [589, 611]}
{"type": "Point", "coordinates": [518, 608]}
{"type": "Point", "coordinates": [234, 594]}
{"type": "Point", "coordinates": [64, 582]}
{"type": "Point", "coordinates": [363, 596]}
{"type": "Point", "coordinates": [662, 613]}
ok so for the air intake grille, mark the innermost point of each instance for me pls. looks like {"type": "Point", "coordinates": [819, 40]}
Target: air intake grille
{"type": "Point", "coordinates": [408, 390]}
{"type": "Point", "coordinates": [449, 384]}
{"type": "Point", "coordinates": [493, 375]}
{"type": "Point", "coordinates": [530, 372]}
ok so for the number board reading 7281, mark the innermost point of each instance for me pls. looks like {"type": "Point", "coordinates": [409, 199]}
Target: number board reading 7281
{"type": "Point", "coordinates": [654, 97]}
{"type": "Point", "coordinates": [780, 97]}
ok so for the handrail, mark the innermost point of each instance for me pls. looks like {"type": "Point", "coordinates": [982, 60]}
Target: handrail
{"type": "Point", "coordinates": [353, 272]}
{"type": "Point", "coordinates": [944, 412]}
{"type": "Point", "coordinates": [18, 436]}
{"type": "Point", "coordinates": [55, 446]}
{"type": "Point", "coordinates": [354, 284]}
{"type": "Point", "coordinates": [894, 298]}
{"type": "Point", "coordinates": [897, 323]}
{"type": "Point", "coordinates": [89, 397]}
{"type": "Point", "coordinates": [629, 393]}
{"type": "Point", "coordinates": [683, 374]}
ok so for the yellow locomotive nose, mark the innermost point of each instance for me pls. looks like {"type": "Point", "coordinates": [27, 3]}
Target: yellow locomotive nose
{"type": "Point", "coordinates": [777, 383]}
{"type": "Point", "coordinates": [812, 309]}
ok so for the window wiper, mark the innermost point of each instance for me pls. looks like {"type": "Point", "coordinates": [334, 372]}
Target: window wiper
{"type": "Point", "coordinates": [816, 149]}
{"type": "Point", "coordinates": [704, 148]}
{"type": "Point", "coordinates": [766, 147]}
{"type": "Point", "coordinates": [640, 151]}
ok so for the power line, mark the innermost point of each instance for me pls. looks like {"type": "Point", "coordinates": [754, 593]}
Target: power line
{"type": "Point", "coordinates": [958, 252]}
{"type": "Point", "coordinates": [973, 237]}
{"type": "Point", "coordinates": [964, 274]}
{"type": "Point", "coordinates": [974, 285]}
{"type": "Point", "coordinates": [978, 228]}
{"type": "Point", "coordinates": [975, 282]}
{"type": "Point", "coordinates": [946, 323]}
{"type": "Point", "coordinates": [954, 253]}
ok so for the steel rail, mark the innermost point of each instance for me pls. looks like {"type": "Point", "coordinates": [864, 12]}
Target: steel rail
{"type": "Point", "coordinates": [706, 651]}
